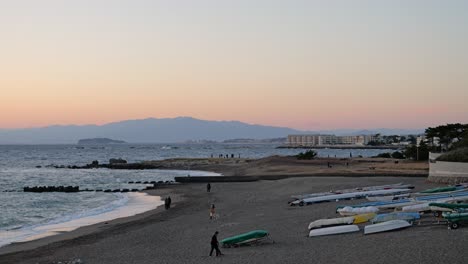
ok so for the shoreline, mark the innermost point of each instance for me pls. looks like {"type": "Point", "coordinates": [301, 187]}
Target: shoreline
{"type": "Point", "coordinates": [49, 233]}
{"type": "Point", "coordinates": [153, 236]}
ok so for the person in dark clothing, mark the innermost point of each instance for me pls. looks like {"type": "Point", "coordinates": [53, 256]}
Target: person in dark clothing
{"type": "Point", "coordinates": [166, 203]}
{"type": "Point", "coordinates": [169, 202]}
{"type": "Point", "coordinates": [215, 244]}
{"type": "Point", "coordinates": [208, 187]}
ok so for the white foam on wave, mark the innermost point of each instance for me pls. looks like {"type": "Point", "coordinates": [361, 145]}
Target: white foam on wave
{"type": "Point", "coordinates": [128, 205]}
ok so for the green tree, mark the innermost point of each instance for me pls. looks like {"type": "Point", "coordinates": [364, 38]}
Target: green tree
{"type": "Point", "coordinates": [308, 155]}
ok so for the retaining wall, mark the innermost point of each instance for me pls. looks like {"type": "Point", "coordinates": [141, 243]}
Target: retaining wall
{"type": "Point", "coordinates": [447, 172]}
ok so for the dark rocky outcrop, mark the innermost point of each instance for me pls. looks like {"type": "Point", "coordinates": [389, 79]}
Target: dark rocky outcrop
{"type": "Point", "coordinates": [117, 161]}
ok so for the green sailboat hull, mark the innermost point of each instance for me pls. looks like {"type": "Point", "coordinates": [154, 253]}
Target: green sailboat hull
{"type": "Point", "coordinates": [440, 189]}
{"type": "Point", "coordinates": [242, 238]}
{"type": "Point", "coordinates": [456, 217]}
{"type": "Point", "coordinates": [450, 205]}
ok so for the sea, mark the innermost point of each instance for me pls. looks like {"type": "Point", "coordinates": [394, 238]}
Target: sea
{"type": "Point", "coordinates": [26, 216]}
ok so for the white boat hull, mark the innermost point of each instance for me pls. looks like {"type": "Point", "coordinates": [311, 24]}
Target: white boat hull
{"type": "Point", "coordinates": [333, 230]}
{"type": "Point", "coordinates": [386, 226]}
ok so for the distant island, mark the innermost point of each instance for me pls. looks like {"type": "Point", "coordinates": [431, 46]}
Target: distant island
{"type": "Point", "coordinates": [99, 141]}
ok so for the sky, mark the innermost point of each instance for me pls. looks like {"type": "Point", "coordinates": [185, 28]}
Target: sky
{"type": "Point", "coordinates": [303, 64]}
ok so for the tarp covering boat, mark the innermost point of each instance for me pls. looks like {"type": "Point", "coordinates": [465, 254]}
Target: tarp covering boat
{"type": "Point", "coordinates": [244, 238]}
{"type": "Point", "coordinates": [345, 211]}
{"type": "Point", "coordinates": [333, 230]}
{"type": "Point", "coordinates": [386, 226]}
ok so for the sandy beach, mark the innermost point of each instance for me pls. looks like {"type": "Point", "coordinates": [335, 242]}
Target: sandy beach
{"type": "Point", "coordinates": [290, 165]}
{"type": "Point", "coordinates": [182, 234]}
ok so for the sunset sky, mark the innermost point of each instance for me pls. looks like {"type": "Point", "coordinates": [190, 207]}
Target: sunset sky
{"type": "Point", "coordinates": [302, 64]}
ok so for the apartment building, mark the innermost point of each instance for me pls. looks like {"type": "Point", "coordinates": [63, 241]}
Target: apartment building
{"type": "Point", "coordinates": [320, 140]}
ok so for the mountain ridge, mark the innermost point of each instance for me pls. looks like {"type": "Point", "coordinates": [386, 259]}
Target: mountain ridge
{"type": "Point", "coordinates": [167, 130]}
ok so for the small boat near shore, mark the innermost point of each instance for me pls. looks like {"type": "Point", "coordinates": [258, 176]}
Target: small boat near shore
{"type": "Point", "coordinates": [246, 238]}
{"type": "Point", "coordinates": [444, 189]}
{"type": "Point", "coordinates": [333, 230]}
{"type": "Point", "coordinates": [363, 218]}
{"type": "Point", "coordinates": [395, 216]}
{"type": "Point", "coordinates": [386, 226]}
{"type": "Point", "coordinates": [452, 206]}
{"type": "Point", "coordinates": [388, 198]}
{"type": "Point", "coordinates": [455, 219]}
{"type": "Point", "coordinates": [331, 222]}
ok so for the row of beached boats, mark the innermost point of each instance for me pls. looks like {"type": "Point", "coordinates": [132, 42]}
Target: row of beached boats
{"type": "Point", "coordinates": [397, 193]}
{"type": "Point", "coordinates": [408, 208]}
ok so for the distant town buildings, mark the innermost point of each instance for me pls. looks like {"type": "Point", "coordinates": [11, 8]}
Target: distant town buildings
{"type": "Point", "coordinates": [321, 140]}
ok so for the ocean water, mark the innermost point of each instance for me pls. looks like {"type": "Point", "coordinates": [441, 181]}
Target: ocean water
{"type": "Point", "coordinates": [25, 216]}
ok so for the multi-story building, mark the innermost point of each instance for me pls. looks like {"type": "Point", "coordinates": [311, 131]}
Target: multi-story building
{"type": "Point", "coordinates": [320, 140]}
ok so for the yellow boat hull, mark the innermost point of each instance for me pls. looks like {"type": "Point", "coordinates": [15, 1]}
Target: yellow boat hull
{"type": "Point", "coordinates": [362, 218]}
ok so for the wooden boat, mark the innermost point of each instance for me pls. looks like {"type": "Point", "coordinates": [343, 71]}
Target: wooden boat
{"type": "Point", "coordinates": [395, 216]}
{"type": "Point", "coordinates": [246, 238]}
{"type": "Point", "coordinates": [386, 226]}
{"type": "Point", "coordinates": [333, 230]}
{"type": "Point", "coordinates": [362, 218]}
{"type": "Point", "coordinates": [331, 222]}
{"type": "Point", "coordinates": [353, 195]}
{"type": "Point", "coordinates": [347, 211]}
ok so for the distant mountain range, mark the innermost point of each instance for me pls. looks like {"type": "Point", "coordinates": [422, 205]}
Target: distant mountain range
{"type": "Point", "coordinates": [165, 130]}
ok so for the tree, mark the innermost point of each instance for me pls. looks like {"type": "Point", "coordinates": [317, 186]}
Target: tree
{"type": "Point", "coordinates": [398, 155]}
{"type": "Point", "coordinates": [420, 152]}
{"type": "Point", "coordinates": [447, 134]}
{"type": "Point", "coordinates": [308, 155]}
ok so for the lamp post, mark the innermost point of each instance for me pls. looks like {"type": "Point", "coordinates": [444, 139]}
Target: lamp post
{"type": "Point", "coordinates": [417, 152]}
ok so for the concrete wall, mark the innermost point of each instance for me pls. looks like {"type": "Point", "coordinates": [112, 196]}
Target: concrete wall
{"type": "Point", "coordinates": [447, 172]}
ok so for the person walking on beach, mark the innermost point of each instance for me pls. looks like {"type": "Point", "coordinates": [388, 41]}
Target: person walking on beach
{"type": "Point", "coordinates": [215, 245]}
{"type": "Point", "coordinates": [169, 202]}
{"type": "Point", "coordinates": [166, 203]}
{"type": "Point", "coordinates": [208, 187]}
{"type": "Point", "coordinates": [212, 211]}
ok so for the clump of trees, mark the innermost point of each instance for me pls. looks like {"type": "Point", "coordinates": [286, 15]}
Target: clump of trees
{"type": "Point", "coordinates": [450, 137]}
{"type": "Point", "coordinates": [308, 155]}
{"type": "Point", "coordinates": [415, 152]}
{"type": "Point", "coordinates": [388, 155]}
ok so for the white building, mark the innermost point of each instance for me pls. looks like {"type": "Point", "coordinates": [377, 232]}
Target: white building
{"type": "Point", "coordinates": [321, 140]}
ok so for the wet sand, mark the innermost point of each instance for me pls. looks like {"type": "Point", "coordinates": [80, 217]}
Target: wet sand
{"type": "Point", "coordinates": [182, 234]}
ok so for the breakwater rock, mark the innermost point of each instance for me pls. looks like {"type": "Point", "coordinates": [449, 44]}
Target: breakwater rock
{"type": "Point", "coordinates": [40, 189]}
